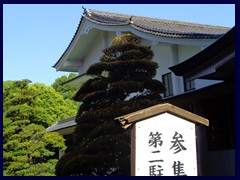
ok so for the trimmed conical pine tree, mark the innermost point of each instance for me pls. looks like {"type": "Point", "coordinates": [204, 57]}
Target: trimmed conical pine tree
{"type": "Point", "coordinates": [123, 83]}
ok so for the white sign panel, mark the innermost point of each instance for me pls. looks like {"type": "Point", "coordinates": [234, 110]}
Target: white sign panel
{"type": "Point", "coordinates": [165, 146]}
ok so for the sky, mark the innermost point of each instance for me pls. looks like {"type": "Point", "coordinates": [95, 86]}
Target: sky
{"type": "Point", "coordinates": [35, 36]}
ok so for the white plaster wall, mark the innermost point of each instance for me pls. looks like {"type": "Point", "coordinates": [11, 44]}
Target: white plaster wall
{"type": "Point", "coordinates": [166, 55]}
{"type": "Point", "coordinates": [185, 52]}
{"type": "Point", "coordinates": [95, 52]}
{"type": "Point", "coordinates": [145, 42]}
{"type": "Point", "coordinates": [111, 35]}
{"type": "Point", "coordinates": [163, 56]}
{"type": "Point", "coordinates": [201, 83]}
{"type": "Point", "coordinates": [102, 41]}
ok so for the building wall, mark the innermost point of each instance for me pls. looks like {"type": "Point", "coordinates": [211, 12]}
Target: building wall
{"type": "Point", "coordinates": [220, 162]}
{"type": "Point", "coordinates": [95, 52]}
{"type": "Point", "coordinates": [216, 148]}
{"type": "Point", "coordinates": [111, 35]}
{"type": "Point", "coordinates": [102, 41]}
{"type": "Point", "coordinates": [185, 52]}
{"type": "Point", "coordinates": [200, 83]}
{"type": "Point", "coordinates": [166, 55]}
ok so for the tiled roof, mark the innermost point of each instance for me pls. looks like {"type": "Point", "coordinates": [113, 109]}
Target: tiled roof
{"type": "Point", "coordinates": [218, 47]}
{"type": "Point", "coordinates": [65, 123]}
{"type": "Point", "coordinates": [159, 27]}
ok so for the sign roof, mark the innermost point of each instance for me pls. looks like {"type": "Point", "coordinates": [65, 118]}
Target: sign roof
{"type": "Point", "coordinates": [128, 119]}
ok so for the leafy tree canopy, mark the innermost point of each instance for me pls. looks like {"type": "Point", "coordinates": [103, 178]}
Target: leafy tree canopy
{"type": "Point", "coordinates": [67, 91]}
{"type": "Point", "coordinates": [27, 110]}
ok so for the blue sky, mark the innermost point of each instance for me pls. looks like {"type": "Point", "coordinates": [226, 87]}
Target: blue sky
{"type": "Point", "coordinates": [35, 36]}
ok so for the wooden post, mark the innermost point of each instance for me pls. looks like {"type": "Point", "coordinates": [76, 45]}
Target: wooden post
{"type": "Point", "coordinates": [133, 146]}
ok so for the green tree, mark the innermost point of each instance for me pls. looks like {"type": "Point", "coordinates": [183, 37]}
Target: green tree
{"type": "Point", "coordinates": [67, 91]}
{"type": "Point", "coordinates": [52, 105]}
{"type": "Point", "coordinates": [124, 83]}
{"type": "Point", "coordinates": [27, 110]}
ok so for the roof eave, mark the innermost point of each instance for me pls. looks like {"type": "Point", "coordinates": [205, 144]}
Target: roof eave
{"type": "Point", "coordinates": [126, 26]}
{"type": "Point", "coordinates": [129, 119]}
{"type": "Point", "coordinates": [184, 68]}
{"type": "Point", "coordinates": [58, 63]}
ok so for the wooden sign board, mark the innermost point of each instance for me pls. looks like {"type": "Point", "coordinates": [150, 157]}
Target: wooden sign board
{"type": "Point", "coordinates": [165, 145]}
{"type": "Point", "coordinates": [163, 141]}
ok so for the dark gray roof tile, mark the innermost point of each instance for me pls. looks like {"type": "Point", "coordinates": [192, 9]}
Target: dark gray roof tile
{"type": "Point", "coordinates": [160, 27]}
{"type": "Point", "coordinates": [105, 18]}
{"type": "Point", "coordinates": [62, 124]}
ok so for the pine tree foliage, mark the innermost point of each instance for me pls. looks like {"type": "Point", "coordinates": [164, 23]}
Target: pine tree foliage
{"type": "Point", "coordinates": [27, 110]}
{"type": "Point", "coordinates": [124, 83]}
{"type": "Point", "coordinates": [67, 91]}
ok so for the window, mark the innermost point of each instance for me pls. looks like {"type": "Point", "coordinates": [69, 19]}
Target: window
{"type": "Point", "coordinates": [167, 81]}
{"type": "Point", "coordinates": [189, 85]}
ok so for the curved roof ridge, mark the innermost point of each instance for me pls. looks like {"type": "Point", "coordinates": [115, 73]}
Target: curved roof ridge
{"type": "Point", "coordinates": [183, 23]}
{"type": "Point", "coordinates": [106, 18]}
{"type": "Point", "coordinates": [153, 26]}
{"type": "Point", "coordinates": [90, 13]}
{"type": "Point", "coordinates": [156, 26]}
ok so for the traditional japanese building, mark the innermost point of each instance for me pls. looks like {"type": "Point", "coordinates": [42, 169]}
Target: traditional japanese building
{"type": "Point", "coordinates": [193, 65]}
{"type": "Point", "coordinates": [215, 102]}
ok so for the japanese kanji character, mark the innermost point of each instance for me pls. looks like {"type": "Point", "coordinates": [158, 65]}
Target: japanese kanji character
{"type": "Point", "coordinates": [155, 170]}
{"type": "Point", "coordinates": [155, 139]}
{"type": "Point", "coordinates": [177, 143]}
{"type": "Point", "coordinates": [178, 169]}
